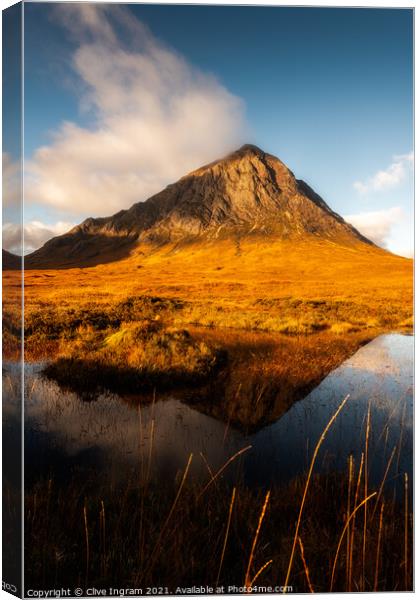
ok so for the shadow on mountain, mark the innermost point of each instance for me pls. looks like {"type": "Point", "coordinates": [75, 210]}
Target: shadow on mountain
{"type": "Point", "coordinates": [81, 249]}
{"type": "Point", "coordinates": [11, 262]}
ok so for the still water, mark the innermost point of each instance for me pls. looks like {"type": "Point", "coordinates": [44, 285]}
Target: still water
{"type": "Point", "coordinates": [111, 440]}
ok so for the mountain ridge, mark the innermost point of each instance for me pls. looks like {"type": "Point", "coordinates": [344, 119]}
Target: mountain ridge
{"type": "Point", "coordinates": [249, 192]}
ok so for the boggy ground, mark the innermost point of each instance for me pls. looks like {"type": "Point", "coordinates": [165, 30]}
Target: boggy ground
{"type": "Point", "coordinates": [252, 327]}
{"type": "Point", "coordinates": [292, 288]}
{"type": "Point", "coordinates": [287, 287]}
{"type": "Point", "coordinates": [262, 322]}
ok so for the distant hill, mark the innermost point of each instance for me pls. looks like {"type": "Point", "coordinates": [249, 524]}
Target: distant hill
{"type": "Point", "coordinates": [11, 262]}
{"type": "Point", "coordinates": [247, 194]}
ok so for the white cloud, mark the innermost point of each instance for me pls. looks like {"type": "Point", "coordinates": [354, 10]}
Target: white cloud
{"type": "Point", "coordinates": [155, 117]}
{"type": "Point", "coordinates": [36, 234]}
{"type": "Point", "coordinates": [389, 178]}
{"type": "Point", "coordinates": [11, 184]}
{"type": "Point", "coordinates": [376, 225]}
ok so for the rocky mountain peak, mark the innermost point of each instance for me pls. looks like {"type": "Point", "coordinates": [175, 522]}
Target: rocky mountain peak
{"type": "Point", "coordinates": [247, 193]}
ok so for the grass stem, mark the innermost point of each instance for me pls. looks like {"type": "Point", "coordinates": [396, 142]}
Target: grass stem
{"type": "Point", "coordinates": [305, 492]}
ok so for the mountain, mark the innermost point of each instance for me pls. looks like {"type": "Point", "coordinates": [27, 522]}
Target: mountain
{"type": "Point", "coordinates": [11, 262]}
{"type": "Point", "coordinates": [248, 193]}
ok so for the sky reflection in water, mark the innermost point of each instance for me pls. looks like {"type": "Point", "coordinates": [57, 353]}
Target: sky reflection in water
{"type": "Point", "coordinates": [108, 440]}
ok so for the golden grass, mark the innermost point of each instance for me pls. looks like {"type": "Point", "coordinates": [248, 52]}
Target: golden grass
{"type": "Point", "coordinates": [367, 432]}
{"type": "Point", "coordinates": [305, 566]}
{"type": "Point", "coordinates": [232, 501]}
{"type": "Point", "coordinates": [353, 527]}
{"type": "Point", "coordinates": [286, 313]}
{"type": "Point", "coordinates": [288, 287]}
{"type": "Point", "coordinates": [345, 528]}
{"type": "Point", "coordinates": [378, 549]}
{"type": "Point", "coordinates": [137, 355]}
{"type": "Point", "coordinates": [248, 581]}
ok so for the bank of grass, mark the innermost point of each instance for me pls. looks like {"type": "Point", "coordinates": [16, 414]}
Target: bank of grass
{"type": "Point", "coordinates": [245, 378]}
{"type": "Point", "coordinates": [137, 356]}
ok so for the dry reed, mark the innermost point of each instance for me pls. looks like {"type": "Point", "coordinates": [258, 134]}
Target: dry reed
{"type": "Point", "coordinates": [232, 501]}
{"type": "Point", "coordinates": [366, 490]}
{"type": "Point", "coordinates": [168, 518]}
{"type": "Point", "coordinates": [102, 535]}
{"type": "Point", "coordinates": [353, 525]}
{"type": "Point", "coordinates": [350, 483]}
{"type": "Point", "coordinates": [305, 566]}
{"type": "Point", "coordinates": [222, 468]}
{"type": "Point", "coordinates": [308, 479]}
{"type": "Point", "coordinates": [248, 582]}
{"type": "Point", "coordinates": [363, 503]}
{"type": "Point", "coordinates": [378, 548]}
{"type": "Point", "coordinates": [260, 571]}
{"type": "Point", "coordinates": [381, 487]}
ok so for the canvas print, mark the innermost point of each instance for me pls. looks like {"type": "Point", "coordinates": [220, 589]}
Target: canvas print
{"type": "Point", "coordinates": [207, 299]}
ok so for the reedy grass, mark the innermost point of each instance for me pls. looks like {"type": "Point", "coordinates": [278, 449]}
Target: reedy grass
{"type": "Point", "coordinates": [365, 490]}
{"type": "Point", "coordinates": [381, 487]}
{"type": "Point", "coordinates": [186, 537]}
{"type": "Point", "coordinates": [85, 521]}
{"type": "Point", "coordinates": [356, 498]}
{"type": "Point", "coordinates": [305, 491]}
{"type": "Point", "coordinates": [345, 528]}
{"type": "Point", "coordinates": [248, 581]}
{"type": "Point", "coordinates": [406, 529]}
{"type": "Point", "coordinates": [305, 566]}
{"type": "Point", "coordinates": [378, 548]}
{"type": "Point", "coordinates": [188, 547]}
{"type": "Point", "coordinates": [350, 463]}
{"type": "Point", "coordinates": [232, 501]}
{"type": "Point", "coordinates": [214, 477]}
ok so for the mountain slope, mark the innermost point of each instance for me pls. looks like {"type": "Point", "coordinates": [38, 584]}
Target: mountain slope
{"type": "Point", "coordinates": [11, 262]}
{"type": "Point", "coordinates": [248, 193]}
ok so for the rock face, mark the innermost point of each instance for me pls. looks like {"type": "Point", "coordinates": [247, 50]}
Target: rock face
{"type": "Point", "coordinates": [248, 193]}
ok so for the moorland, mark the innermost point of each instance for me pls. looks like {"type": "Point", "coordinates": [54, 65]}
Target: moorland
{"type": "Point", "coordinates": [239, 283]}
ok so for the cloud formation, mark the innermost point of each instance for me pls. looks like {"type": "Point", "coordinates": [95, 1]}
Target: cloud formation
{"type": "Point", "coordinates": [389, 178]}
{"type": "Point", "coordinates": [11, 181]}
{"type": "Point", "coordinates": [376, 225]}
{"type": "Point", "coordinates": [36, 234]}
{"type": "Point", "coordinates": [155, 117]}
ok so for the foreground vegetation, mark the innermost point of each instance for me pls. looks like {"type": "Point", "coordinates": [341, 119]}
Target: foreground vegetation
{"type": "Point", "coordinates": [250, 328]}
{"type": "Point", "coordinates": [175, 316]}
{"type": "Point", "coordinates": [330, 532]}
{"type": "Point", "coordinates": [138, 355]}
{"type": "Point", "coordinates": [295, 288]}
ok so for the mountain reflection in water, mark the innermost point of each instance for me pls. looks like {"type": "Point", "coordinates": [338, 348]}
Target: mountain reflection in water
{"type": "Point", "coordinates": [110, 440]}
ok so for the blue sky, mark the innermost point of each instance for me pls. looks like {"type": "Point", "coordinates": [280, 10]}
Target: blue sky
{"type": "Point", "coordinates": [329, 91]}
